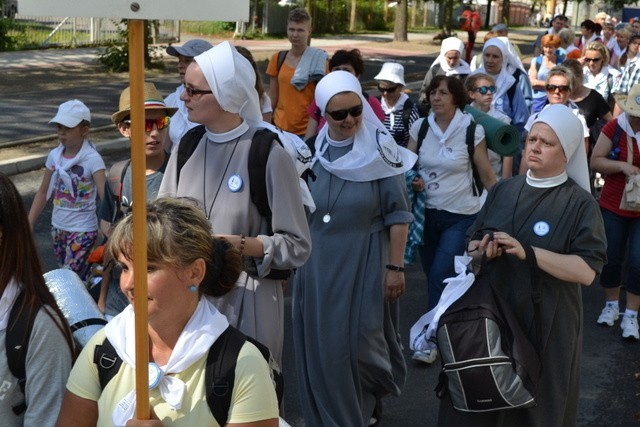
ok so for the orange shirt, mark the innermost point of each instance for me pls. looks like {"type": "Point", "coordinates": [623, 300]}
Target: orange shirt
{"type": "Point", "coordinates": [291, 112]}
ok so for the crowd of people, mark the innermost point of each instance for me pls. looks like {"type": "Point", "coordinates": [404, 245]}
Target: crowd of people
{"type": "Point", "coordinates": [236, 215]}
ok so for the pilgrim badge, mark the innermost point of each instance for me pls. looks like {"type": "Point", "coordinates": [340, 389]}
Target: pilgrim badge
{"type": "Point", "coordinates": [541, 228]}
{"type": "Point", "coordinates": [235, 183]}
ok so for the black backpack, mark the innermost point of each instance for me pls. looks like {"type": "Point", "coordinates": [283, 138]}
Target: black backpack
{"type": "Point", "coordinates": [488, 361]}
{"type": "Point", "coordinates": [219, 371]}
{"type": "Point", "coordinates": [470, 140]}
{"type": "Point", "coordinates": [257, 165]}
{"type": "Point", "coordinates": [115, 179]}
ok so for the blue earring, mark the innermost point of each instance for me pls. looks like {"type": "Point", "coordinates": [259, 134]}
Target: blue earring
{"type": "Point", "coordinates": [193, 288]}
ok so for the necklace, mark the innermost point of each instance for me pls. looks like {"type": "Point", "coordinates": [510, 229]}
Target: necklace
{"type": "Point", "coordinates": [204, 178]}
{"type": "Point", "coordinates": [541, 199]}
{"type": "Point", "coordinates": [327, 217]}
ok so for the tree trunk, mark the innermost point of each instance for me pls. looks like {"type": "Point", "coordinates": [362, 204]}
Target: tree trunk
{"type": "Point", "coordinates": [400, 27]}
{"type": "Point", "coordinates": [352, 17]}
{"type": "Point", "coordinates": [414, 9]}
{"type": "Point", "coordinates": [447, 16]}
{"type": "Point", "coordinates": [506, 6]}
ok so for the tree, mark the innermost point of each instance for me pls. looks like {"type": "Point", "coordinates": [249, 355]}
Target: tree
{"type": "Point", "coordinates": [506, 6]}
{"type": "Point", "coordinates": [352, 16]}
{"type": "Point", "coordinates": [400, 26]}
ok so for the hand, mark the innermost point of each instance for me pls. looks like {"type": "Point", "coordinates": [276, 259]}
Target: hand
{"type": "Point", "coordinates": [487, 246]}
{"type": "Point", "coordinates": [509, 245]}
{"type": "Point", "coordinates": [417, 184]}
{"type": "Point", "coordinates": [393, 285]}
{"type": "Point", "coordinates": [153, 421]}
{"type": "Point", "coordinates": [629, 170]}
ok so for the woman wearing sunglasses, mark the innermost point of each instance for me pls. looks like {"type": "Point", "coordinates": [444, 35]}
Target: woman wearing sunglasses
{"type": "Point", "coordinates": [399, 111]}
{"type": "Point", "coordinates": [481, 88]}
{"type": "Point", "coordinates": [345, 297]}
{"type": "Point", "coordinates": [540, 66]}
{"type": "Point", "coordinates": [598, 75]}
{"type": "Point", "coordinates": [445, 169]}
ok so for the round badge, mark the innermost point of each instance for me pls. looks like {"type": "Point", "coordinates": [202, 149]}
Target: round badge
{"type": "Point", "coordinates": [638, 100]}
{"type": "Point", "coordinates": [541, 228]}
{"type": "Point", "coordinates": [155, 374]}
{"type": "Point", "coordinates": [235, 183]}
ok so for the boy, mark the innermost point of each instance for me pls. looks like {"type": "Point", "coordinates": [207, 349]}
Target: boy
{"type": "Point", "coordinates": [74, 175]}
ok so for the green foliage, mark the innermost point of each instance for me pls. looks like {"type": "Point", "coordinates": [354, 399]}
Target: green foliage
{"type": "Point", "coordinates": [115, 57]}
{"type": "Point", "coordinates": [7, 39]}
{"type": "Point", "coordinates": [206, 28]}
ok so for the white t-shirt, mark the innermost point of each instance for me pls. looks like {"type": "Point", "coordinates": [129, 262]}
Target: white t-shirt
{"type": "Point", "coordinates": [180, 122]}
{"type": "Point", "coordinates": [74, 210]}
{"type": "Point", "coordinates": [448, 182]}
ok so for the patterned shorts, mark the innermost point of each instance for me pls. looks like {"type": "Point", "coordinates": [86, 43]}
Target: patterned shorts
{"type": "Point", "coordinates": [72, 249]}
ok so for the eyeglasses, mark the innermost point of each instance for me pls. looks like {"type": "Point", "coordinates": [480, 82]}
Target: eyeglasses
{"type": "Point", "coordinates": [388, 89]}
{"type": "Point", "coordinates": [160, 122]}
{"type": "Point", "coordinates": [191, 91]}
{"type": "Point", "coordinates": [592, 59]}
{"type": "Point", "coordinates": [562, 88]}
{"type": "Point", "coordinates": [342, 114]}
{"type": "Point", "coordinates": [483, 90]}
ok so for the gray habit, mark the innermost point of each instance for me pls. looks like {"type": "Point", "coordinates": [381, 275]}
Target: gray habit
{"type": "Point", "coordinates": [346, 337]}
{"type": "Point", "coordinates": [256, 305]}
{"type": "Point", "coordinates": [566, 220]}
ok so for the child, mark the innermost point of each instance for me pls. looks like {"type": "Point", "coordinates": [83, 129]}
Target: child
{"type": "Point", "coordinates": [481, 88]}
{"type": "Point", "coordinates": [74, 173]}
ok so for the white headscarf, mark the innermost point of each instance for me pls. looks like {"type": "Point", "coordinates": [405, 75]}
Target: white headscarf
{"type": "Point", "coordinates": [449, 44]}
{"type": "Point", "coordinates": [513, 61]}
{"type": "Point", "coordinates": [375, 154]}
{"type": "Point", "coordinates": [504, 80]}
{"type": "Point", "coordinates": [232, 80]}
{"type": "Point", "coordinates": [569, 130]}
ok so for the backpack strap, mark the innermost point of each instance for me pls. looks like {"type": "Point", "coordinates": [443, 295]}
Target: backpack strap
{"type": "Point", "coordinates": [115, 178]}
{"type": "Point", "coordinates": [406, 113]}
{"type": "Point", "coordinates": [19, 328]}
{"type": "Point", "coordinates": [422, 133]}
{"type": "Point", "coordinates": [220, 372]}
{"type": "Point", "coordinates": [187, 146]}
{"type": "Point", "coordinates": [107, 361]}
{"type": "Point", "coordinates": [614, 154]}
{"type": "Point", "coordinates": [261, 144]}
{"type": "Point", "coordinates": [471, 148]}
{"type": "Point", "coordinates": [282, 55]}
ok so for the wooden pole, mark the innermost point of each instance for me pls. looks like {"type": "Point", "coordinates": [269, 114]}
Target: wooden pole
{"type": "Point", "coordinates": [138, 172]}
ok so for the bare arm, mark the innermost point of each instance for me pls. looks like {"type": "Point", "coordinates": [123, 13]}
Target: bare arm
{"type": "Point", "coordinates": [77, 411]}
{"type": "Point", "coordinates": [252, 245]}
{"type": "Point", "coordinates": [600, 162]}
{"type": "Point", "coordinates": [481, 160]}
{"type": "Point", "coordinates": [312, 128]}
{"type": "Point", "coordinates": [507, 167]}
{"type": "Point", "coordinates": [40, 199]}
{"type": "Point", "coordinates": [394, 280]}
{"type": "Point", "coordinates": [100, 178]}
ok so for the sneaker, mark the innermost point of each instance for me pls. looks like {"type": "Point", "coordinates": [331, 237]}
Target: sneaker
{"type": "Point", "coordinates": [629, 327]}
{"type": "Point", "coordinates": [609, 315]}
{"type": "Point", "coordinates": [425, 356]}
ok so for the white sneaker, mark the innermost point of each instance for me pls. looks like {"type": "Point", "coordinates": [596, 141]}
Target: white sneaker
{"type": "Point", "coordinates": [425, 356]}
{"type": "Point", "coordinates": [609, 315]}
{"type": "Point", "coordinates": [629, 327]}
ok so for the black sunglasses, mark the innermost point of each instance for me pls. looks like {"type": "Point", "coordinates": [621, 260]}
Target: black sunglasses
{"type": "Point", "coordinates": [483, 90]}
{"type": "Point", "coordinates": [191, 91]}
{"type": "Point", "coordinates": [592, 59]}
{"type": "Point", "coordinates": [388, 89]}
{"type": "Point", "coordinates": [562, 88]}
{"type": "Point", "coordinates": [342, 114]}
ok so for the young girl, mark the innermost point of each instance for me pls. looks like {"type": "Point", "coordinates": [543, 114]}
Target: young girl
{"type": "Point", "coordinates": [74, 173]}
{"type": "Point", "coordinates": [481, 88]}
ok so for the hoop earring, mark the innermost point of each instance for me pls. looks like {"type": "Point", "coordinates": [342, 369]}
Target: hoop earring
{"type": "Point", "coordinates": [192, 288]}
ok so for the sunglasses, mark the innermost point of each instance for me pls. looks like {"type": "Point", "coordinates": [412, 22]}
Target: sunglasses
{"type": "Point", "coordinates": [388, 89]}
{"type": "Point", "coordinates": [191, 91]}
{"type": "Point", "coordinates": [483, 90]}
{"type": "Point", "coordinates": [342, 114]}
{"type": "Point", "coordinates": [592, 59]}
{"type": "Point", "coordinates": [562, 88]}
{"type": "Point", "coordinates": [160, 122]}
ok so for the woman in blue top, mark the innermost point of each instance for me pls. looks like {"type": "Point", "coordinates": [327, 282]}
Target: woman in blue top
{"type": "Point", "coordinates": [540, 67]}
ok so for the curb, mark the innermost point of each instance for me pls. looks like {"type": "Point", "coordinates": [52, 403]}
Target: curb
{"type": "Point", "coordinates": [36, 161]}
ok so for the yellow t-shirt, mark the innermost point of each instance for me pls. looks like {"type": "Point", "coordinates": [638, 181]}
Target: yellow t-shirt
{"type": "Point", "coordinates": [291, 112]}
{"type": "Point", "coordinates": [253, 398]}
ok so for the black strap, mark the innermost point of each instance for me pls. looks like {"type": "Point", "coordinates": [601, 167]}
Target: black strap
{"type": "Point", "coordinates": [221, 371]}
{"type": "Point", "coordinates": [281, 57]}
{"type": "Point", "coordinates": [87, 322]}
{"type": "Point", "coordinates": [19, 328]}
{"type": "Point", "coordinates": [187, 146]}
{"type": "Point", "coordinates": [512, 90]}
{"type": "Point", "coordinates": [422, 133]}
{"type": "Point", "coordinates": [115, 178]}
{"type": "Point", "coordinates": [536, 296]}
{"type": "Point", "coordinates": [407, 107]}
{"type": "Point", "coordinates": [107, 361]}
{"type": "Point", "coordinates": [471, 148]}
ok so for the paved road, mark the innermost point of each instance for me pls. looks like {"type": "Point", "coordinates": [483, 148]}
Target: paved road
{"type": "Point", "coordinates": [609, 392]}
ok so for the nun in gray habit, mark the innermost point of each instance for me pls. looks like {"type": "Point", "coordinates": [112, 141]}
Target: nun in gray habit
{"type": "Point", "coordinates": [345, 297]}
{"type": "Point", "coordinates": [217, 176]}
{"type": "Point", "coordinates": [552, 210]}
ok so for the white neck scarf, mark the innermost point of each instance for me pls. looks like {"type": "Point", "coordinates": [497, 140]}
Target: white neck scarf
{"type": "Point", "coordinates": [504, 79]}
{"type": "Point", "coordinates": [6, 302]}
{"type": "Point", "coordinates": [452, 44]}
{"type": "Point", "coordinates": [61, 172]}
{"type": "Point", "coordinates": [204, 327]}
{"type": "Point", "coordinates": [623, 122]}
{"type": "Point", "coordinates": [459, 121]}
{"type": "Point", "coordinates": [553, 181]}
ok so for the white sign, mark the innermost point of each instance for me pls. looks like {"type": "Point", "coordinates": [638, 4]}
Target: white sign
{"type": "Point", "coordinates": [194, 10]}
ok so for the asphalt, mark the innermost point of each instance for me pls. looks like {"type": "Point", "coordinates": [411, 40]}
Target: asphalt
{"type": "Point", "coordinates": [23, 118]}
